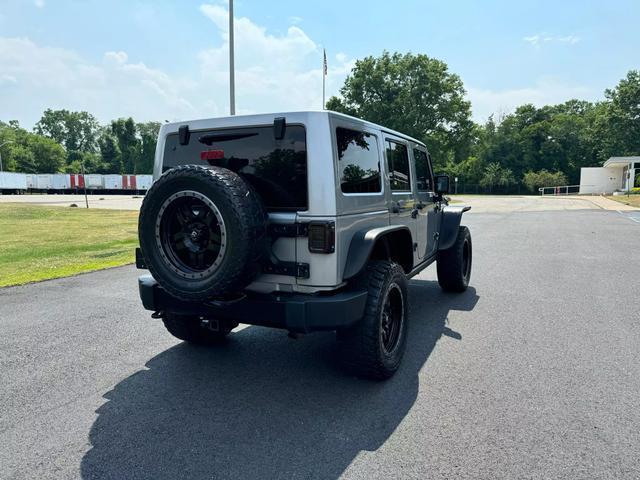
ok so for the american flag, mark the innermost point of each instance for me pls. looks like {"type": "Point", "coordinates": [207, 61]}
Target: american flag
{"type": "Point", "coordinates": [325, 61]}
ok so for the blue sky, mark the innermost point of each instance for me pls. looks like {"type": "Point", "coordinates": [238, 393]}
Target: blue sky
{"type": "Point", "coordinates": [157, 60]}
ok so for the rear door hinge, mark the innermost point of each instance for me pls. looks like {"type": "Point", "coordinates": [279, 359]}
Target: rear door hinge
{"type": "Point", "coordinates": [289, 229]}
{"type": "Point", "coordinates": [290, 269]}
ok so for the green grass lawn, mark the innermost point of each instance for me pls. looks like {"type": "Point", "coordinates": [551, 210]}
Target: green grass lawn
{"type": "Point", "coordinates": [633, 200]}
{"type": "Point", "coordinates": [39, 243]}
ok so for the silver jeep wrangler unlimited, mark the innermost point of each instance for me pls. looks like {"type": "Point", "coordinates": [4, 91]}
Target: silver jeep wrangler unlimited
{"type": "Point", "coordinates": [305, 221]}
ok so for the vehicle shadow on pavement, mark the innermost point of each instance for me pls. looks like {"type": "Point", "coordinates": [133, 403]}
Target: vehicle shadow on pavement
{"type": "Point", "coordinates": [261, 406]}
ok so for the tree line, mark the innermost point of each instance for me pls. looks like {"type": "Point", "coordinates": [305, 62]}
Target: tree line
{"type": "Point", "coordinates": [64, 141]}
{"type": "Point", "coordinates": [524, 150]}
{"type": "Point", "coordinates": [412, 93]}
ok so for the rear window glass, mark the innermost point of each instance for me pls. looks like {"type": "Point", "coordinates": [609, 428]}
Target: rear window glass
{"type": "Point", "coordinates": [359, 161]}
{"type": "Point", "coordinates": [277, 169]}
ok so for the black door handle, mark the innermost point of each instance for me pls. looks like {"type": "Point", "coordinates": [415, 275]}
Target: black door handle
{"type": "Point", "coordinates": [414, 213]}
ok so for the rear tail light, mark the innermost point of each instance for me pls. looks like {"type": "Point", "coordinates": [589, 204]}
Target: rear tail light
{"type": "Point", "coordinates": [212, 155]}
{"type": "Point", "coordinates": [322, 237]}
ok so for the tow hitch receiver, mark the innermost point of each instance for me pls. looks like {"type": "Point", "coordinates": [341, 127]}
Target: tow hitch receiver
{"type": "Point", "coordinates": [210, 324]}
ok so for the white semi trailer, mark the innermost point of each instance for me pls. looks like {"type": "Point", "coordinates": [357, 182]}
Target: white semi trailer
{"type": "Point", "coordinates": [13, 182]}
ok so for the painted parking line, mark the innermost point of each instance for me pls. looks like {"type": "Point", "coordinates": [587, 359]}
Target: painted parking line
{"type": "Point", "coordinates": [633, 216]}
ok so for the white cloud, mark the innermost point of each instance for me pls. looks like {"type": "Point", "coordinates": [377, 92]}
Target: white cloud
{"type": "Point", "coordinates": [295, 20]}
{"type": "Point", "coordinates": [545, 91]}
{"type": "Point", "coordinates": [119, 58]}
{"type": "Point", "coordinates": [274, 72]}
{"type": "Point", "coordinates": [39, 3]}
{"type": "Point", "coordinates": [543, 38]}
{"type": "Point", "coordinates": [6, 79]}
{"type": "Point", "coordinates": [571, 39]}
{"type": "Point", "coordinates": [45, 77]}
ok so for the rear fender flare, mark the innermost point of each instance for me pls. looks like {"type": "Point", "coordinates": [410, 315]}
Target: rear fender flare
{"type": "Point", "coordinates": [362, 245]}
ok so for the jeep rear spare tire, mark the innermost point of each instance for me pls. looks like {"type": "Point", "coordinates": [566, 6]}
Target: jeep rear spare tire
{"type": "Point", "coordinates": [202, 232]}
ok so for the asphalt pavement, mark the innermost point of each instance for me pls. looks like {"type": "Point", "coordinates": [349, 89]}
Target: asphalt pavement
{"type": "Point", "coordinates": [534, 372]}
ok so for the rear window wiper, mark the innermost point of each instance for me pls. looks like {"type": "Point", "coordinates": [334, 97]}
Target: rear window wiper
{"type": "Point", "coordinates": [224, 137]}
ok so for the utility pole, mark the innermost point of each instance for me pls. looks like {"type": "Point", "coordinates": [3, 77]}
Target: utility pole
{"type": "Point", "coordinates": [84, 183]}
{"type": "Point", "coordinates": [232, 79]}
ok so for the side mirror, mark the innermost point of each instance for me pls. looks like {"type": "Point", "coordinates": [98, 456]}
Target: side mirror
{"type": "Point", "coordinates": [442, 184]}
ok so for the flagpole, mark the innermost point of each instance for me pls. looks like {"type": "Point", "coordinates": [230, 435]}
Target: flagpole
{"type": "Point", "coordinates": [232, 80]}
{"type": "Point", "coordinates": [323, 89]}
{"type": "Point", "coordinates": [324, 76]}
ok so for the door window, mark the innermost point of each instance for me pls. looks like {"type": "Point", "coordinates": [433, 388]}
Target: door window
{"type": "Point", "coordinates": [423, 171]}
{"type": "Point", "coordinates": [398, 160]}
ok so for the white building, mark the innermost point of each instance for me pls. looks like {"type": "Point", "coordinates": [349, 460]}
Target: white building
{"type": "Point", "coordinates": [618, 174]}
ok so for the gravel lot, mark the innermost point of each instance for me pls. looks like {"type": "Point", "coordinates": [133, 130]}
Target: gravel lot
{"type": "Point", "coordinates": [532, 373]}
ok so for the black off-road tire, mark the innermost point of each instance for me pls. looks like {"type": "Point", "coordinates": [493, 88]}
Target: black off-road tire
{"type": "Point", "coordinates": [191, 330]}
{"type": "Point", "coordinates": [361, 347]}
{"type": "Point", "coordinates": [245, 220]}
{"type": "Point", "coordinates": [454, 264]}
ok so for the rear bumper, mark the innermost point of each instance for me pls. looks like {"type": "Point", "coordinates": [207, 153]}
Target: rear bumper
{"type": "Point", "coordinates": [295, 312]}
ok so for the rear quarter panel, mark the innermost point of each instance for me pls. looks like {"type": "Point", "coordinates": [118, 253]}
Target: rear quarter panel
{"type": "Point", "coordinates": [350, 212]}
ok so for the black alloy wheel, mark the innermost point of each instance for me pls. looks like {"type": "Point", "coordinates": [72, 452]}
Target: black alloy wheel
{"type": "Point", "coordinates": [392, 318]}
{"type": "Point", "coordinates": [191, 234]}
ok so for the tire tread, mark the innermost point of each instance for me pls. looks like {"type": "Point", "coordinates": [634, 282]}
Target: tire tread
{"type": "Point", "coordinates": [449, 264]}
{"type": "Point", "coordinates": [359, 345]}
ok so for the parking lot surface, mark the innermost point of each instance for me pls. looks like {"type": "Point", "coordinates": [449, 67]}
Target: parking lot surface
{"type": "Point", "coordinates": [534, 372]}
{"type": "Point", "coordinates": [480, 203]}
{"type": "Point", "coordinates": [118, 202]}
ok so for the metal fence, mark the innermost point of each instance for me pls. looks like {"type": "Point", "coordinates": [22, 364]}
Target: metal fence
{"type": "Point", "coordinates": [476, 189]}
{"type": "Point", "coordinates": [561, 190]}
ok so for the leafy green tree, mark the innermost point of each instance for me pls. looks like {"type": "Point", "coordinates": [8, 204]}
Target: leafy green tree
{"type": "Point", "coordinates": [414, 94]}
{"type": "Point", "coordinates": [469, 171]}
{"type": "Point", "coordinates": [76, 131]}
{"type": "Point", "coordinates": [622, 116]}
{"type": "Point", "coordinates": [49, 156]}
{"type": "Point", "coordinates": [110, 154]}
{"type": "Point", "coordinates": [29, 152]}
{"type": "Point", "coordinates": [124, 130]}
{"type": "Point", "coordinates": [148, 138]}
{"type": "Point", "coordinates": [8, 140]}
{"type": "Point", "coordinates": [22, 160]}
{"type": "Point", "coordinates": [92, 163]}
{"type": "Point", "coordinates": [555, 138]}
{"type": "Point", "coordinates": [497, 176]}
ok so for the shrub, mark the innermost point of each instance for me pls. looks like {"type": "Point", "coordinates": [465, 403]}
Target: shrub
{"type": "Point", "coordinates": [535, 180]}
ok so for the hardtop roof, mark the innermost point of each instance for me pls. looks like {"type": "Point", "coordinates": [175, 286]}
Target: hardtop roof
{"type": "Point", "coordinates": [262, 118]}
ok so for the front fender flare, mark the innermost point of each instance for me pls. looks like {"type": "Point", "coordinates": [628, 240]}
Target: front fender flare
{"type": "Point", "coordinates": [449, 225]}
{"type": "Point", "coordinates": [362, 245]}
